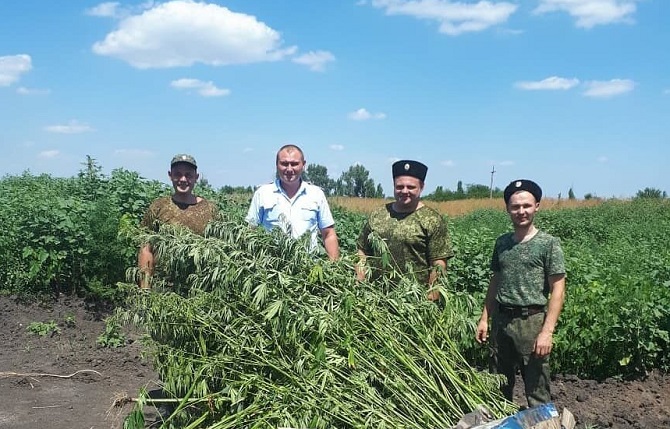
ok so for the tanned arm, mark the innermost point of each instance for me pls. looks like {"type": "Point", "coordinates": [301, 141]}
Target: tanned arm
{"type": "Point", "coordinates": [439, 268]}
{"type": "Point", "coordinates": [331, 243]}
{"type": "Point", "coordinates": [543, 342]}
{"type": "Point", "coordinates": [360, 265]}
{"type": "Point", "coordinates": [145, 262]}
{"type": "Point", "coordinates": [489, 306]}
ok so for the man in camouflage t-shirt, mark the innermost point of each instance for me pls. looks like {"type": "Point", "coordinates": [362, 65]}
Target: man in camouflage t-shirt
{"type": "Point", "coordinates": [181, 208]}
{"type": "Point", "coordinates": [525, 296]}
{"type": "Point", "coordinates": [412, 235]}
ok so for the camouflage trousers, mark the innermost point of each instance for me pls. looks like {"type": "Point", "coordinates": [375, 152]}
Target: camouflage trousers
{"type": "Point", "coordinates": [511, 345]}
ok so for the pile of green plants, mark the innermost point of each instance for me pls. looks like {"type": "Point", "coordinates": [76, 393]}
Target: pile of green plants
{"type": "Point", "coordinates": [250, 330]}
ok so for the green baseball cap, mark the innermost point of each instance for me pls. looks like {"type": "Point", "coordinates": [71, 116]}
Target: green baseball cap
{"type": "Point", "coordinates": [183, 157]}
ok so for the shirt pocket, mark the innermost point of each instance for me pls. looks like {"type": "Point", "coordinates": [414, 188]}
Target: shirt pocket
{"type": "Point", "coordinates": [310, 214]}
{"type": "Point", "coordinates": [271, 212]}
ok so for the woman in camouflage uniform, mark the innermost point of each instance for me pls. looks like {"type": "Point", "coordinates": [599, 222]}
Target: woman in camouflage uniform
{"type": "Point", "coordinates": [525, 296]}
{"type": "Point", "coordinates": [415, 236]}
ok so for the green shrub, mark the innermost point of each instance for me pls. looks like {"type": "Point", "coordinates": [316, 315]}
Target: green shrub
{"type": "Point", "coordinates": [43, 329]}
{"type": "Point", "coordinates": [113, 336]}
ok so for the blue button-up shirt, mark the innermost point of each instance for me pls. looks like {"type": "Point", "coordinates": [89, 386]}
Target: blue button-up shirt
{"type": "Point", "coordinates": [307, 211]}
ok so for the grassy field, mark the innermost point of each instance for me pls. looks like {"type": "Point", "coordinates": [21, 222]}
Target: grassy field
{"type": "Point", "coordinates": [456, 208]}
{"type": "Point", "coordinates": [258, 312]}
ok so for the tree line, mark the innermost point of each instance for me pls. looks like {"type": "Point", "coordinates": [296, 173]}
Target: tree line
{"type": "Point", "coordinates": [356, 182]}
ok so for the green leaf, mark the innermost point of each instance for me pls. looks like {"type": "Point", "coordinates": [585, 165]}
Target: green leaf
{"type": "Point", "coordinates": [273, 309]}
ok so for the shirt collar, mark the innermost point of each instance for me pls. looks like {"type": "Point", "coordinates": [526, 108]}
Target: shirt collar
{"type": "Point", "coordinates": [301, 190]}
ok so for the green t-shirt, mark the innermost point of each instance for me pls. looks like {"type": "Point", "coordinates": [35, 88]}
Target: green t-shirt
{"type": "Point", "coordinates": [414, 240]}
{"type": "Point", "coordinates": [193, 216]}
{"type": "Point", "coordinates": [525, 268]}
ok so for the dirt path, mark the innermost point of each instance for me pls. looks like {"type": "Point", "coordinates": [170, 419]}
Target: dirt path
{"type": "Point", "coordinates": [33, 400]}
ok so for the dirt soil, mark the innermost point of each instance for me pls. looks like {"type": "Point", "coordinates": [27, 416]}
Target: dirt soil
{"type": "Point", "coordinates": [66, 381]}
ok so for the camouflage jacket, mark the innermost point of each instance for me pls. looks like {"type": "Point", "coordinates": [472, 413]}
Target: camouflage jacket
{"type": "Point", "coordinates": [193, 216]}
{"type": "Point", "coordinates": [413, 241]}
{"type": "Point", "coordinates": [525, 268]}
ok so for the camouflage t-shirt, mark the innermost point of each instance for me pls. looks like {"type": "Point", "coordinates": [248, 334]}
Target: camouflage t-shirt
{"type": "Point", "coordinates": [414, 240]}
{"type": "Point", "coordinates": [193, 216]}
{"type": "Point", "coordinates": [525, 268]}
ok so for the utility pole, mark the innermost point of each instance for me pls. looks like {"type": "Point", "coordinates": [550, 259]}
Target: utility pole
{"type": "Point", "coordinates": [493, 170]}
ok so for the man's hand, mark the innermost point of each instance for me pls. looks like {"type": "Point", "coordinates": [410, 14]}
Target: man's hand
{"type": "Point", "coordinates": [145, 262]}
{"type": "Point", "coordinates": [359, 266]}
{"type": "Point", "coordinates": [144, 282]}
{"type": "Point", "coordinates": [482, 331]}
{"type": "Point", "coordinates": [543, 344]}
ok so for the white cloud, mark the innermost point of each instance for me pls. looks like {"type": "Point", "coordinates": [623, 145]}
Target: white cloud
{"type": "Point", "coordinates": [72, 127]}
{"type": "Point", "coordinates": [206, 89]}
{"type": "Point", "coordinates": [183, 32]}
{"type": "Point", "coordinates": [602, 159]}
{"type": "Point", "coordinates": [448, 163]}
{"type": "Point", "coordinates": [666, 92]}
{"type": "Point", "coordinates": [596, 89]}
{"type": "Point", "coordinates": [590, 13]}
{"type": "Point", "coordinates": [31, 91]}
{"type": "Point", "coordinates": [506, 163]}
{"type": "Point", "coordinates": [107, 9]}
{"type": "Point", "coordinates": [316, 61]}
{"type": "Point", "coordinates": [363, 115]}
{"type": "Point", "coordinates": [117, 11]}
{"type": "Point", "coordinates": [550, 83]}
{"type": "Point", "coordinates": [12, 67]}
{"type": "Point", "coordinates": [247, 149]}
{"type": "Point", "coordinates": [48, 154]}
{"type": "Point", "coordinates": [336, 147]}
{"type": "Point", "coordinates": [454, 18]}
{"type": "Point", "coordinates": [610, 88]}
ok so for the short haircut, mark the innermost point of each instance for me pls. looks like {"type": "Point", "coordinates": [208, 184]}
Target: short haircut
{"type": "Point", "coordinates": [290, 148]}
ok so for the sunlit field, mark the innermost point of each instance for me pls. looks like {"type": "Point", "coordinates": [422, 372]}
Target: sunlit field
{"type": "Point", "coordinates": [232, 289]}
{"type": "Point", "coordinates": [458, 207]}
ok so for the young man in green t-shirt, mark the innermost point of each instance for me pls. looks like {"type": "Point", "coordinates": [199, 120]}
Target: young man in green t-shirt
{"type": "Point", "coordinates": [525, 296]}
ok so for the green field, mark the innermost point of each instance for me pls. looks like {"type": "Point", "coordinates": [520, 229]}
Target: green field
{"type": "Point", "coordinates": [252, 320]}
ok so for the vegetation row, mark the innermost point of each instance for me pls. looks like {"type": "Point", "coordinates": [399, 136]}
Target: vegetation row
{"type": "Point", "coordinates": [250, 322]}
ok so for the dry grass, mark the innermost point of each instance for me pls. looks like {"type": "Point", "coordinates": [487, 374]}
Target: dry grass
{"type": "Point", "coordinates": [459, 207]}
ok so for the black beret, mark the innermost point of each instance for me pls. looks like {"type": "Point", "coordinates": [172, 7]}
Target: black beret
{"type": "Point", "coordinates": [410, 168]}
{"type": "Point", "coordinates": [523, 185]}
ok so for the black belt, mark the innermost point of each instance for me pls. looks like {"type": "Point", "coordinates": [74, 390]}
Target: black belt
{"type": "Point", "coordinates": [518, 311]}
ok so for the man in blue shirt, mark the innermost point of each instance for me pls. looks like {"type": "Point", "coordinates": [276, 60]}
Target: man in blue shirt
{"type": "Point", "coordinates": [293, 205]}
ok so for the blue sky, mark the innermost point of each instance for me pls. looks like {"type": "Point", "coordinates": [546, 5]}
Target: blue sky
{"type": "Point", "coordinates": [570, 93]}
